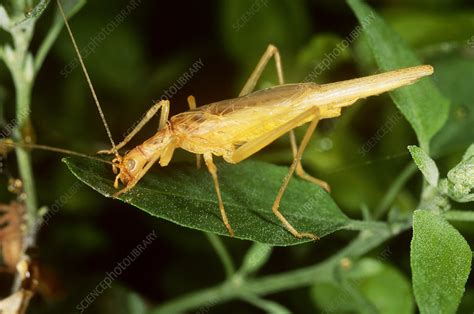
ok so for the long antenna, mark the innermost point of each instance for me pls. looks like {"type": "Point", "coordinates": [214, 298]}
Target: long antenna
{"type": "Point", "coordinates": [89, 82]}
{"type": "Point", "coordinates": [51, 149]}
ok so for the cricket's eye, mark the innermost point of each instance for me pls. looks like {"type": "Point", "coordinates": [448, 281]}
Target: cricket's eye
{"type": "Point", "coordinates": [130, 164]}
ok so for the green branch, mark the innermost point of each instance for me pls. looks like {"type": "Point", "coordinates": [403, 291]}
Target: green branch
{"type": "Point", "coordinates": [221, 251]}
{"type": "Point", "coordinates": [394, 189]}
{"type": "Point", "coordinates": [238, 287]}
{"type": "Point", "coordinates": [459, 215]}
{"type": "Point", "coordinates": [19, 62]}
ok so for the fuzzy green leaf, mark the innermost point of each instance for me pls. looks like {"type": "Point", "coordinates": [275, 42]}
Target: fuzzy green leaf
{"type": "Point", "coordinates": [185, 195]}
{"type": "Point", "coordinates": [440, 263]}
{"type": "Point", "coordinates": [255, 258]}
{"type": "Point", "coordinates": [38, 10]}
{"type": "Point", "coordinates": [421, 104]}
{"type": "Point", "coordinates": [460, 182]}
{"type": "Point", "coordinates": [381, 284]}
{"type": "Point", "coordinates": [4, 18]}
{"type": "Point", "coordinates": [454, 76]}
{"type": "Point", "coordinates": [426, 165]}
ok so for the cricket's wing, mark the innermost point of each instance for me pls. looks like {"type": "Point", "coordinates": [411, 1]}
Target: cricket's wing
{"type": "Point", "coordinates": [274, 97]}
{"type": "Point", "coordinates": [235, 121]}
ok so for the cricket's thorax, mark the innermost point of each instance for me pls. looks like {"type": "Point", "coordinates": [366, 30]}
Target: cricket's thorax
{"type": "Point", "coordinates": [223, 126]}
{"type": "Point", "coordinates": [156, 143]}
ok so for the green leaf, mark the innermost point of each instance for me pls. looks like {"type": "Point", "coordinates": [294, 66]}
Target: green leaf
{"type": "Point", "coordinates": [421, 104]}
{"type": "Point", "coordinates": [256, 257]}
{"type": "Point", "coordinates": [428, 30]}
{"type": "Point", "coordinates": [388, 289]}
{"type": "Point", "coordinates": [469, 153]}
{"type": "Point", "coordinates": [136, 304]}
{"type": "Point", "coordinates": [454, 76]}
{"type": "Point", "coordinates": [18, 16]}
{"type": "Point", "coordinates": [383, 285]}
{"type": "Point", "coordinates": [440, 262]}
{"type": "Point", "coordinates": [38, 10]}
{"type": "Point", "coordinates": [186, 196]}
{"type": "Point", "coordinates": [4, 19]}
{"type": "Point", "coordinates": [119, 300]}
{"type": "Point", "coordinates": [426, 165]}
{"type": "Point", "coordinates": [313, 63]}
{"type": "Point", "coordinates": [460, 182]}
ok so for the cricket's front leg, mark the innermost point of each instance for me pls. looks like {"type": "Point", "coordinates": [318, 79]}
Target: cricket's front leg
{"type": "Point", "coordinates": [213, 171]}
{"type": "Point", "coordinates": [124, 190]}
{"type": "Point", "coordinates": [165, 109]}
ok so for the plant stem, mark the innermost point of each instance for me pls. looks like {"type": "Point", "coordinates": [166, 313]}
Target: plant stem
{"type": "Point", "coordinates": [221, 251]}
{"type": "Point", "coordinates": [19, 62]}
{"type": "Point", "coordinates": [265, 305]}
{"type": "Point", "coordinates": [459, 215]}
{"type": "Point", "coordinates": [394, 189]}
{"type": "Point", "coordinates": [22, 72]}
{"type": "Point", "coordinates": [360, 301]}
{"type": "Point", "coordinates": [366, 225]}
{"type": "Point", "coordinates": [236, 287]}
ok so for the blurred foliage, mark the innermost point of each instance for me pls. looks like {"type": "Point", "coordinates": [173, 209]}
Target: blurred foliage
{"type": "Point", "coordinates": [380, 283]}
{"type": "Point", "coordinates": [143, 56]}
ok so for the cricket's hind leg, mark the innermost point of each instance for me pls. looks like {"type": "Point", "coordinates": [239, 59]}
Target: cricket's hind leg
{"type": "Point", "coordinates": [294, 166]}
{"type": "Point", "coordinates": [249, 86]}
{"type": "Point", "coordinates": [213, 171]}
{"type": "Point", "coordinates": [255, 145]}
{"type": "Point", "coordinates": [271, 51]}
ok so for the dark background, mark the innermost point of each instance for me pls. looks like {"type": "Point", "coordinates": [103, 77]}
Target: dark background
{"type": "Point", "coordinates": [143, 57]}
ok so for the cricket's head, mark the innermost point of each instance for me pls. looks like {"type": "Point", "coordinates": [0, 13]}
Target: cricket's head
{"type": "Point", "coordinates": [130, 167]}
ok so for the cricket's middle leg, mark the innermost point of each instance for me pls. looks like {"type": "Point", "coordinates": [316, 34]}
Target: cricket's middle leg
{"type": "Point", "coordinates": [213, 171]}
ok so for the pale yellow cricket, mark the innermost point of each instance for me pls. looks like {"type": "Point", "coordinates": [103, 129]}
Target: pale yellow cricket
{"type": "Point", "coordinates": [238, 128]}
